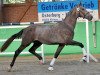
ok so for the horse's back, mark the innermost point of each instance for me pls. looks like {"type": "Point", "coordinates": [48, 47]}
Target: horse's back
{"type": "Point", "coordinates": [51, 34]}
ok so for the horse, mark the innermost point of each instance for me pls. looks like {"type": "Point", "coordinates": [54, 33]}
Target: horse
{"type": "Point", "coordinates": [60, 33]}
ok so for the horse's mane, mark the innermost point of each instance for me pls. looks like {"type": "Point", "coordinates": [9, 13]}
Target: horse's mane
{"type": "Point", "coordinates": [70, 12]}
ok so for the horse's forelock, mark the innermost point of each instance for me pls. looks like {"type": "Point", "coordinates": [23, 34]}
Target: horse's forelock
{"type": "Point", "coordinates": [78, 9]}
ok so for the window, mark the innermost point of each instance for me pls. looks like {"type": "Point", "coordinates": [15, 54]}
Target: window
{"type": "Point", "coordinates": [13, 1]}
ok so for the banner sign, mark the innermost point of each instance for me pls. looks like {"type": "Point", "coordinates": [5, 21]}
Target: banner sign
{"type": "Point", "coordinates": [56, 11]}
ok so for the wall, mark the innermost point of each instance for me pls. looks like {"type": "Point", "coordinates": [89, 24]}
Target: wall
{"type": "Point", "coordinates": [25, 12]}
{"type": "Point", "coordinates": [99, 8]}
{"type": "Point", "coordinates": [1, 11]}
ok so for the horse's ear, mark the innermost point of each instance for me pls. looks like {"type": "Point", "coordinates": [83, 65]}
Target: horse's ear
{"type": "Point", "coordinates": [80, 3]}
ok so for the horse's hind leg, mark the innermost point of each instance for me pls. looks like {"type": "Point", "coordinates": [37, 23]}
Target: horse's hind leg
{"type": "Point", "coordinates": [33, 49]}
{"type": "Point", "coordinates": [17, 52]}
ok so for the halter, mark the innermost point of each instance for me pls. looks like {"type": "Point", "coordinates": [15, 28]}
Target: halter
{"type": "Point", "coordinates": [86, 14]}
{"type": "Point", "coordinates": [78, 9]}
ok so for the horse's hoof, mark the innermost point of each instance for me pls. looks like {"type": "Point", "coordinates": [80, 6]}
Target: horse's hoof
{"type": "Point", "coordinates": [9, 69]}
{"type": "Point", "coordinates": [50, 68]}
{"type": "Point", "coordinates": [41, 62]}
{"type": "Point", "coordinates": [84, 61]}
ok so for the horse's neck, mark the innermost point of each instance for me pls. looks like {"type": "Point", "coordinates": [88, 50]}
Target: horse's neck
{"type": "Point", "coordinates": [70, 21]}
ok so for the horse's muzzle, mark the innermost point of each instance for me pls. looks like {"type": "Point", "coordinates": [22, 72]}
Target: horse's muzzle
{"type": "Point", "coordinates": [89, 17]}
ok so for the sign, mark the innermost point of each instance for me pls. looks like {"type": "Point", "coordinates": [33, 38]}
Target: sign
{"type": "Point", "coordinates": [56, 11]}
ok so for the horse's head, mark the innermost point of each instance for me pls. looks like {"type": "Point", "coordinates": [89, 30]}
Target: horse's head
{"type": "Point", "coordinates": [82, 12]}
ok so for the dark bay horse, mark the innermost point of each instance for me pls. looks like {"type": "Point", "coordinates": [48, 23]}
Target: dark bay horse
{"type": "Point", "coordinates": [61, 33]}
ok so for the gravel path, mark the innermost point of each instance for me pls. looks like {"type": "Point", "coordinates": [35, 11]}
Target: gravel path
{"type": "Point", "coordinates": [64, 66]}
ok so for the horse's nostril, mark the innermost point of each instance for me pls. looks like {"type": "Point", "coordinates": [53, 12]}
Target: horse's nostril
{"type": "Point", "coordinates": [91, 17]}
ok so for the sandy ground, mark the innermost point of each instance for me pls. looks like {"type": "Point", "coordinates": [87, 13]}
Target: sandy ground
{"type": "Point", "coordinates": [65, 65]}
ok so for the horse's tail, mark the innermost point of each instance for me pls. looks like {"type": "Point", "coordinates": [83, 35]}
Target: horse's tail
{"type": "Point", "coordinates": [8, 42]}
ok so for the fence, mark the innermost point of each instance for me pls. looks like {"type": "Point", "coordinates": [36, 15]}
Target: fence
{"type": "Point", "coordinates": [41, 51]}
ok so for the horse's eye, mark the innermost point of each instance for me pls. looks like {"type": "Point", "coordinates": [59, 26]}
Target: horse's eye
{"type": "Point", "coordinates": [82, 9]}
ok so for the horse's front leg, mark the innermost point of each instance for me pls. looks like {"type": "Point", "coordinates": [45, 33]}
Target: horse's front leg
{"type": "Point", "coordinates": [75, 43]}
{"type": "Point", "coordinates": [60, 47]}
